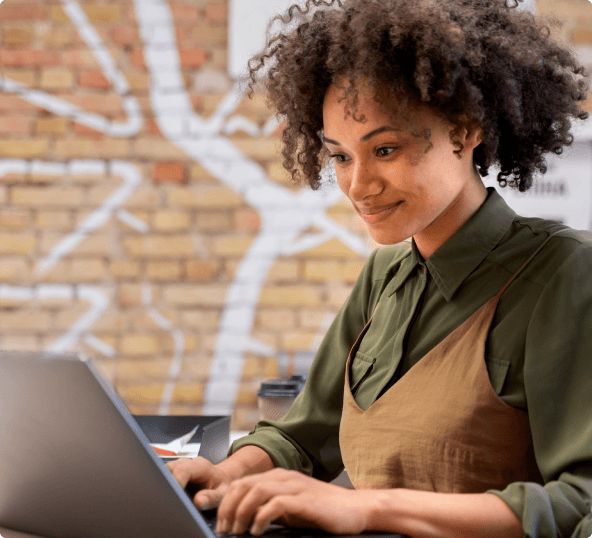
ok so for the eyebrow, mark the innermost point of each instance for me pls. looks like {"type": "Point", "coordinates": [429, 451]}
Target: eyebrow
{"type": "Point", "coordinates": [366, 136]}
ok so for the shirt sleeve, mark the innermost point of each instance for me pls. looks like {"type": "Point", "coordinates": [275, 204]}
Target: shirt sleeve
{"type": "Point", "coordinates": [558, 385]}
{"type": "Point", "coordinates": [307, 437]}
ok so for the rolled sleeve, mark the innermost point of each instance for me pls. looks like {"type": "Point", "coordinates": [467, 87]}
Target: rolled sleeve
{"type": "Point", "coordinates": [558, 386]}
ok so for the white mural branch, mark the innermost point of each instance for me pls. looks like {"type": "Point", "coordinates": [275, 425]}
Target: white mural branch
{"type": "Point", "coordinates": [93, 295]}
{"type": "Point", "coordinates": [284, 215]}
{"type": "Point", "coordinates": [60, 107]}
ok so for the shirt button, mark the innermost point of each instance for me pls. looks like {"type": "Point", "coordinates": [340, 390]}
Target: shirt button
{"type": "Point", "coordinates": [423, 269]}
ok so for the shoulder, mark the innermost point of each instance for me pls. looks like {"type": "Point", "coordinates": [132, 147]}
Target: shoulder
{"type": "Point", "coordinates": [566, 250]}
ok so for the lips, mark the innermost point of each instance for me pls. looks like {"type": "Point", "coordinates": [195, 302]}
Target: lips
{"type": "Point", "coordinates": [373, 214]}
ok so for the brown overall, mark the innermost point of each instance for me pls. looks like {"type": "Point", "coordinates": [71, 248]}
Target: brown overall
{"type": "Point", "coordinates": [441, 427]}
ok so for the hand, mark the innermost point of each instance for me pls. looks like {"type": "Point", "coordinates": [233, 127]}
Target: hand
{"type": "Point", "coordinates": [295, 500]}
{"type": "Point", "coordinates": [212, 481]}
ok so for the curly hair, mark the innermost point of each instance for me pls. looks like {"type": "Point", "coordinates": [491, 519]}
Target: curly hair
{"type": "Point", "coordinates": [474, 62]}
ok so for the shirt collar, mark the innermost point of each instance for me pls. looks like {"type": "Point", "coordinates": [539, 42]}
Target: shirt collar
{"type": "Point", "coordinates": [456, 259]}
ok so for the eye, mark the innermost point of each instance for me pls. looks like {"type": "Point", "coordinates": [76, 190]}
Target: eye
{"type": "Point", "coordinates": [338, 157]}
{"type": "Point", "coordinates": [383, 152]}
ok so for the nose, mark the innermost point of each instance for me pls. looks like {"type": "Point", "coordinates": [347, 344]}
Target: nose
{"type": "Point", "coordinates": [364, 182]}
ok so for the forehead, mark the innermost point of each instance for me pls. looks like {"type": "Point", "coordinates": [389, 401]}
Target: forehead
{"type": "Point", "coordinates": [357, 109]}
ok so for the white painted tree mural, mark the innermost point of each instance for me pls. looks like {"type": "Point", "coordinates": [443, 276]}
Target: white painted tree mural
{"type": "Point", "coordinates": [287, 216]}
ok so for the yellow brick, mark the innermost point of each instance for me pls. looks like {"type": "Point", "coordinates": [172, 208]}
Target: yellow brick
{"type": "Point", "coordinates": [247, 393]}
{"type": "Point", "coordinates": [188, 392]}
{"type": "Point", "coordinates": [51, 125]}
{"type": "Point", "coordinates": [89, 148]}
{"type": "Point", "coordinates": [139, 344]}
{"type": "Point", "coordinates": [97, 244]}
{"type": "Point", "coordinates": [167, 221]}
{"type": "Point", "coordinates": [160, 246]}
{"type": "Point", "coordinates": [252, 367]}
{"type": "Point", "coordinates": [144, 197]}
{"type": "Point", "coordinates": [122, 269]}
{"type": "Point", "coordinates": [204, 196]}
{"type": "Point", "coordinates": [198, 173]}
{"type": "Point", "coordinates": [129, 295]}
{"type": "Point", "coordinates": [277, 173]}
{"type": "Point", "coordinates": [17, 243]}
{"type": "Point", "coordinates": [56, 36]}
{"type": "Point", "coordinates": [14, 270]}
{"type": "Point", "coordinates": [163, 270]}
{"type": "Point", "coordinates": [28, 321]}
{"type": "Point", "coordinates": [17, 36]}
{"type": "Point", "coordinates": [3, 194]}
{"type": "Point", "coordinates": [277, 318]}
{"type": "Point", "coordinates": [195, 294]}
{"type": "Point", "coordinates": [20, 343]}
{"type": "Point", "coordinates": [298, 340]}
{"type": "Point", "coordinates": [212, 221]}
{"type": "Point", "coordinates": [143, 321]}
{"type": "Point", "coordinates": [321, 271]}
{"type": "Point", "coordinates": [138, 82]}
{"type": "Point", "coordinates": [200, 319]}
{"type": "Point", "coordinates": [44, 197]}
{"type": "Point", "coordinates": [57, 78]}
{"type": "Point", "coordinates": [190, 340]}
{"type": "Point", "coordinates": [112, 321]}
{"type": "Point", "coordinates": [331, 249]}
{"type": "Point", "coordinates": [234, 245]}
{"type": "Point", "coordinates": [338, 295]}
{"type": "Point", "coordinates": [23, 149]}
{"type": "Point", "coordinates": [68, 315]}
{"type": "Point", "coordinates": [253, 105]}
{"type": "Point", "coordinates": [14, 220]}
{"type": "Point", "coordinates": [313, 318]}
{"type": "Point", "coordinates": [198, 270]}
{"type": "Point", "coordinates": [136, 369]}
{"type": "Point", "coordinates": [158, 149]}
{"type": "Point", "coordinates": [83, 270]}
{"type": "Point", "coordinates": [24, 76]}
{"type": "Point", "coordinates": [195, 367]}
{"type": "Point", "coordinates": [141, 393]}
{"type": "Point", "coordinates": [271, 369]}
{"type": "Point", "coordinates": [100, 13]}
{"type": "Point", "coordinates": [258, 148]}
{"type": "Point", "coordinates": [54, 220]}
{"type": "Point", "coordinates": [290, 296]}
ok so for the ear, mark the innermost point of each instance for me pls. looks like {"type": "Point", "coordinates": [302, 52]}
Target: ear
{"type": "Point", "coordinates": [472, 136]}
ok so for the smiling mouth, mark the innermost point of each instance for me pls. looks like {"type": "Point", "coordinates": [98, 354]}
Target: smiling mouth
{"type": "Point", "coordinates": [375, 215]}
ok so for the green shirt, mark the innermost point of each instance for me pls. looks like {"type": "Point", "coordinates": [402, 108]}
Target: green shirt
{"type": "Point", "coordinates": [538, 353]}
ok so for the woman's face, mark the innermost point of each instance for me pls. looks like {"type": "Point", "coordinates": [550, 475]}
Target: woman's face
{"type": "Point", "coordinates": [398, 188]}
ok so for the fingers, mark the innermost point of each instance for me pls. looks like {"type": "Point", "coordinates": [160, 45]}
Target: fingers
{"type": "Point", "coordinates": [208, 499]}
{"type": "Point", "coordinates": [205, 476]}
{"type": "Point", "coordinates": [245, 497]}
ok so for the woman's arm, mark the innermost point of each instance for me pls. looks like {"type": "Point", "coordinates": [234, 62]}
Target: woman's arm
{"type": "Point", "coordinates": [298, 500]}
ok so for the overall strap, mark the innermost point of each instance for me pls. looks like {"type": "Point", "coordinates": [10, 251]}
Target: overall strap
{"type": "Point", "coordinates": [528, 261]}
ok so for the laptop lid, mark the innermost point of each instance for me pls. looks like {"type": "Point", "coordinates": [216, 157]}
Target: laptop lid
{"type": "Point", "coordinates": [75, 464]}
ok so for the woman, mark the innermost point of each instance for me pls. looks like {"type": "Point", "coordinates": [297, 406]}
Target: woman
{"type": "Point", "coordinates": [454, 383]}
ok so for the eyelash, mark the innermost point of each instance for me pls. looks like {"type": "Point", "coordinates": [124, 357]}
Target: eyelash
{"type": "Point", "coordinates": [337, 156]}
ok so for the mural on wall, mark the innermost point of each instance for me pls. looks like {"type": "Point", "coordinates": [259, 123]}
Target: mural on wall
{"type": "Point", "coordinates": [286, 215]}
{"type": "Point", "coordinates": [212, 348]}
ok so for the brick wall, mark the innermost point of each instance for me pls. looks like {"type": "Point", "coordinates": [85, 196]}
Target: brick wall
{"type": "Point", "coordinates": [145, 218]}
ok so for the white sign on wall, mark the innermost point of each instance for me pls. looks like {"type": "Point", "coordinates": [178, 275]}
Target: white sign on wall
{"type": "Point", "coordinates": [248, 20]}
{"type": "Point", "coordinates": [564, 193]}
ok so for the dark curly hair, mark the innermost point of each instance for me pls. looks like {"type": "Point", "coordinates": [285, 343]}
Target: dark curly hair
{"type": "Point", "coordinates": [474, 62]}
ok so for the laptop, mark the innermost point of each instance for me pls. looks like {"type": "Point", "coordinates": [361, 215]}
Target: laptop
{"type": "Point", "coordinates": [75, 464]}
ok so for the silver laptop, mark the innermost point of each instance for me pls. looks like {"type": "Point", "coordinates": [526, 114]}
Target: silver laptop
{"type": "Point", "coordinates": [75, 464]}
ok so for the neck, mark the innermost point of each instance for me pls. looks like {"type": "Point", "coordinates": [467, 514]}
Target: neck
{"type": "Point", "coordinates": [462, 208]}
